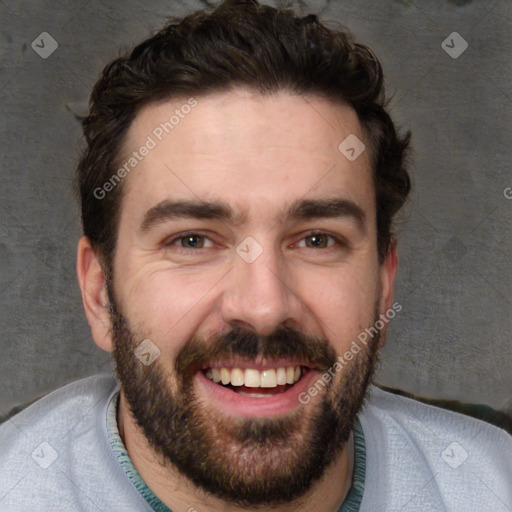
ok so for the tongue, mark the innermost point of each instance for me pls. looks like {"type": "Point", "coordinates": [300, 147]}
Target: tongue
{"type": "Point", "coordinates": [259, 391]}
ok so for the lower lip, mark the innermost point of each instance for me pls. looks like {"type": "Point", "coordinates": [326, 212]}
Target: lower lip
{"type": "Point", "coordinates": [239, 405]}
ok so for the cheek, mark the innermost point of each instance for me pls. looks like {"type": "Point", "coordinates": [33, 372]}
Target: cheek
{"type": "Point", "coordinates": [344, 302]}
{"type": "Point", "coordinates": [167, 305]}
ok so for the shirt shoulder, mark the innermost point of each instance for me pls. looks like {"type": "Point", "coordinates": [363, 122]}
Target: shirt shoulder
{"type": "Point", "coordinates": [61, 409]}
{"type": "Point", "coordinates": [55, 454]}
{"type": "Point", "coordinates": [422, 457]}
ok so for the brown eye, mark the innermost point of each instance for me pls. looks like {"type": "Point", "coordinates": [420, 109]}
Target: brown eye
{"type": "Point", "coordinates": [192, 241]}
{"type": "Point", "coordinates": [317, 241]}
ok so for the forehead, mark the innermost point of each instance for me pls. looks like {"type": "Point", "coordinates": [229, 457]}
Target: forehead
{"type": "Point", "coordinates": [255, 152]}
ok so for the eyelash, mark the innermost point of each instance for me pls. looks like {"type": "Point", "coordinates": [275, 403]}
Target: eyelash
{"type": "Point", "coordinates": [339, 241]}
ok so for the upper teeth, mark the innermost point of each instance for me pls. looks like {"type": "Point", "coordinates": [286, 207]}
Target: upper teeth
{"type": "Point", "coordinates": [254, 378]}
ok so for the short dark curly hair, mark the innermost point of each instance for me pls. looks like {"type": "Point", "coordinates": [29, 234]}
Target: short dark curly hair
{"type": "Point", "coordinates": [239, 44]}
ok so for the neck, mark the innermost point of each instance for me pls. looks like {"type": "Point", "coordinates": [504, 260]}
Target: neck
{"type": "Point", "coordinates": [181, 495]}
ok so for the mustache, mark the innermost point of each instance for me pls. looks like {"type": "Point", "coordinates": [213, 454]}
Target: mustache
{"type": "Point", "coordinates": [286, 342]}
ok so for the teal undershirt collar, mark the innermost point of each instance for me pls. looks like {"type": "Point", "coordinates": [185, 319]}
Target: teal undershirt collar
{"type": "Point", "coordinates": [351, 503]}
{"type": "Point", "coordinates": [125, 461]}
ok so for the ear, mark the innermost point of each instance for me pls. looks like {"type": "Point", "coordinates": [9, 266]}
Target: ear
{"type": "Point", "coordinates": [92, 281]}
{"type": "Point", "coordinates": [387, 276]}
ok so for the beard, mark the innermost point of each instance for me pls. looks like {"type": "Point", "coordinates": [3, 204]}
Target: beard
{"type": "Point", "coordinates": [247, 462]}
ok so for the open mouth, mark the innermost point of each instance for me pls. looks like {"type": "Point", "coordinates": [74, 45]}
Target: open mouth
{"type": "Point", "coordinates": [255, 383]}
{"type": "Point", "coordinates": [254, 388]}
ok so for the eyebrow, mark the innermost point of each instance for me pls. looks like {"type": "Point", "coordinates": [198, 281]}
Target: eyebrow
{"type": "Point", "coordinates": [302, 209]}
{"type": "Point", "coordinates": [168, 210]}
{"type": "Point", "coordinates": [327, 209]}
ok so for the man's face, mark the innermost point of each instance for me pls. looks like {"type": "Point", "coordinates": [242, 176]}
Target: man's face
{"type": "Point", "coordinates": [247, 251]}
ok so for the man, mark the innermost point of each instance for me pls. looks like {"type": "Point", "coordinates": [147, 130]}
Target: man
{"type": "Point", "coordinates": [238, 187]}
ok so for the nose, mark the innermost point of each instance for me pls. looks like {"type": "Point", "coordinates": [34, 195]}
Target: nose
{"type": "Point", "coordinates": [260, 296]}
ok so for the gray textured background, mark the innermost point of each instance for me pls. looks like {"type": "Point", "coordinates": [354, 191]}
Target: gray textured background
{"type": "Point", "coordinates": [452, 338]}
